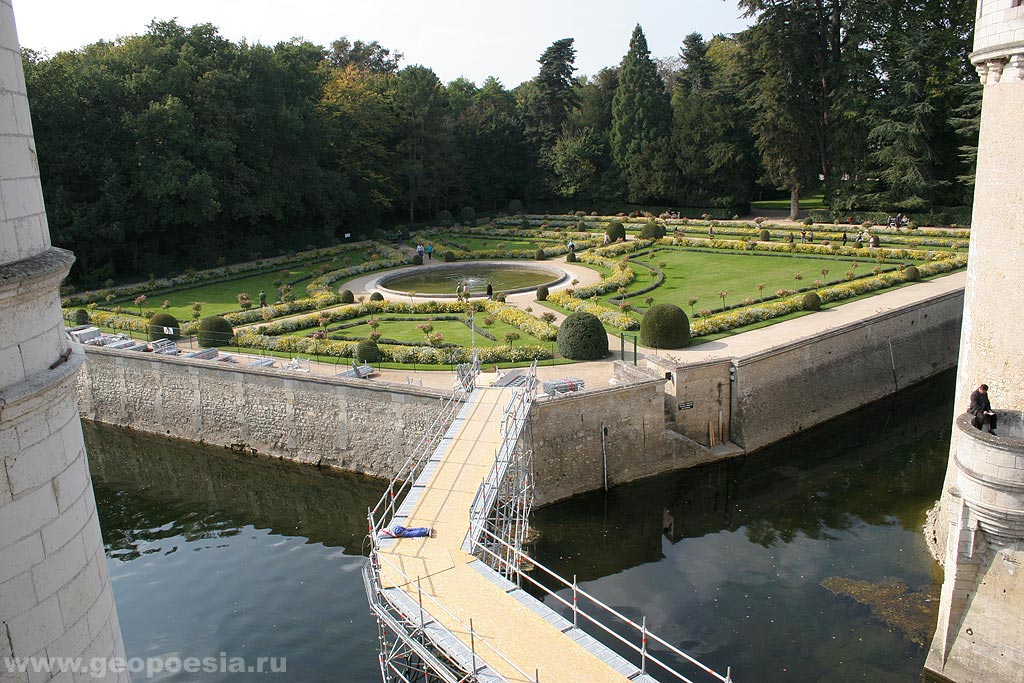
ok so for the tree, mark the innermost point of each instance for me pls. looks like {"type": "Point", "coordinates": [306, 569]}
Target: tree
{"type": "Point", "coordinates": [573, 162]}
{"type": "Point", "coordinates": [641, 124]}
{"type": "Point", "coordinates": [420, 103]}
{"type": "Point", "coordinates": [553, 96]}
{"type": "Point", "coordinates": [370, 56]}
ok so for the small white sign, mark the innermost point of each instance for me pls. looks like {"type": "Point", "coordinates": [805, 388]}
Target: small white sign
{"type": "Point", "coordinates": [168, 330]}
{"type": "Point", "coordinates": [347, 235]}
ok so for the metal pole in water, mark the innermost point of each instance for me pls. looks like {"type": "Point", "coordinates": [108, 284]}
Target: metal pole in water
{"type": "Point", "coordinates": [604, 456]}
{"type": "Point", "coordinates": [575, 609]}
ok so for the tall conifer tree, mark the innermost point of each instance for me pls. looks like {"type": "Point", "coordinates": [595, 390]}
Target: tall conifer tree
{"type": "Point", "coordinates": [641, 125]}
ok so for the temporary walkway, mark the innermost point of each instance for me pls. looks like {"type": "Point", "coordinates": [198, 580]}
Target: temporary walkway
{"type": "Point", "coordinates": [452, 606]}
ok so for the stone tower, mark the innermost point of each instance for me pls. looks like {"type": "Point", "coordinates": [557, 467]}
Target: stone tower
{"type": "Point", "coordinates": [980, 632]}
{"type": "Point", "coordinates": [55, 596]}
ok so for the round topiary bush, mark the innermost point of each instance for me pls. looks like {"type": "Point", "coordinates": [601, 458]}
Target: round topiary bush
{"type": "Point", "coordinates": [376, 296]}
{"type": "Point", "coordinates": [449, 257]}
{"type": "Point", "coordinates": [765, 235]}
{"type": "Point", "coordinates": [812, 302]}
{"type": "Point", "coordinates": [581, 336]}
{"type": "Point", "coordinates": [542, 293]}
{"type": "Point", "coordinates": [875, 242]}
{"type": "Point", "coordinates": [808, 221]}
{"type": "Point", "coordinates": [346, 296]}
{"type": "Point", "coordinates": [81, 317]}
{"type": "Point", "coordinates": [652, 231]}
{"type": "Point", "coordinates": [467, 216]}
{"type": "Point", "coordinates": [445, 216]}
{"type": "Point", "coordinates": [911, 274]}
{"type": "Point", "coordinates": [539, 255]}
{"type": "Point", "coordinates": [214, 331]}
{"type": "Point", "coordinates": [515, 207]}
{"type": "Point", "coordinates": [161, 320]}
{"type": "Point", "coordinates": [665, 326]}
{"type": "Point", "coordinates": [367, 351]}
{"type": "Point", "coordinates": [417, 260]}
{"type": "Point", "coordinates": [570, 257]}
{"type": "Point", "coordinates": [615, 231]}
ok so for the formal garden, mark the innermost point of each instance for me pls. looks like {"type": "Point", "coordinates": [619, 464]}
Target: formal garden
{"type": "Point", "coordinates": [673, 281]}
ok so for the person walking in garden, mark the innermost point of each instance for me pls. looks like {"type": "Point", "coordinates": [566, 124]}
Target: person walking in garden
{"type": "Point", "coordinates": [490, 289]}
{"type": "Point", "coordinates": [420, 250]}
{"type": "Point", "coordinates": [844, 238]}
{"type": "Point", "coordinates": [981, 409]}
{"type": "Point", "coordinates": [430, 251]}
{"type": "Point", "coordinates": [263, 299]}
{"type": "Point", "coordinates": [572, 249]}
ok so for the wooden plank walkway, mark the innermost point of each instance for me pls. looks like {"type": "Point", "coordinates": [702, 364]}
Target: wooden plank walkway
{"type": "Point", "coordinates": [520, 634]}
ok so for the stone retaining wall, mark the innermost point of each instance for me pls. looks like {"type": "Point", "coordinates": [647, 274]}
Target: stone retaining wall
{"type": "Point", "coordinates": [357, 425]}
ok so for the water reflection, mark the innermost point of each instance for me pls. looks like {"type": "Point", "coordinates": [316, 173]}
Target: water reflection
{"type": "Point", "coordinates": [213, 552]}
{"type": "Point", "coordinates": [729, 559]}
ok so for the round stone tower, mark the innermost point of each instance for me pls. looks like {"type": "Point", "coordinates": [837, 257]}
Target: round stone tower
{"type": "Point", "coordinates": [980, 636]}
{"type": "Point", "coordinates": [55, 596]}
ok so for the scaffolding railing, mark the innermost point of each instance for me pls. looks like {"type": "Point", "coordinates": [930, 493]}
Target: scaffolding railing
{"type": "Point", "coordinates": [598, 615]}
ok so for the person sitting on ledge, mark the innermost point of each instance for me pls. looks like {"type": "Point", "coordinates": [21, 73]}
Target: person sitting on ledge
{"type": "Point", "coordinates": [981, 409]}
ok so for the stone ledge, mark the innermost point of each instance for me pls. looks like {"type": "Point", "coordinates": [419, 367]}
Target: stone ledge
{"type": "Point", "coordinates": [47, 268]}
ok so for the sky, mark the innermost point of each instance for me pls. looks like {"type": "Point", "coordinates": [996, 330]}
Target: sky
{"type": "Point", "coordinates": [474, 39]}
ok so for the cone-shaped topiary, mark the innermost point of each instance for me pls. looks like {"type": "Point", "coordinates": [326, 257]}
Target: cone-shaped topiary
{"type": "Point", "coordinates": [161, 320]}
{"type": "Point", "coordinates": [367, 351]}
{"type": "Point", "coordinates": [615, 231]}
{"type": "Point", "coordinates": [346, 296]}
{"type": "Point", "coordinates": [765, 235]}
{"type": "Point", "coordinates": [214, 331]}
{"type": "Point", "coordinates": [911, 274]}
{"type": "Point", "coordinates": [81, 317]}
{"type": "Point", "coordinates": [665, 326]}
{"type": "Point", "coordinates": [652, 231]}
{"type": "Point", "coordinates": [376, 296]}
{"type": "Point", "coordinates": [581, 336]}
{"type": "Point", "coordinates": [811, 302]}
{"type": "Point", "coordinates": [542, 293]}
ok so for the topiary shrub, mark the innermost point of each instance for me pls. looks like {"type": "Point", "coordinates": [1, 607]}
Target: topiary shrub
{"type": "Point", "coordinates": [449, 257]}
{"type": "Point", "coordinates": [858, 245]}
{"type": "Point", "coordinates": [81, 317]}
{"type": "Point", "coordinates": [808, 221]}
{"type": "Point", "coordinates": [765, 235]}
{"type": "Point", "coordinates": [161, 320]}
{"type": "Point", "coordinates": [570, 257]}
{"type": "Point", "coordinates": [665, 326]}
{"type": "Point", "coordinates": [367, 351]}
{"type": "Point", "coordinates": [214, 331]}
{"type": "Point", "coordinates": [376, 296]}
{"type": "Point", "coordinates": [652, 231]}
{"type": "Point", "coordinates": [445, 216]}
{"type": "Point", "coordinates": [417, 260]}
{"type": "Point", "coordinates": [542, 293]}
{"type": "Point", "coordinates": [615, 231]}
{"type": "Point", "coordinates": [875, 242]}
{"type": "Point", "coordinates": [467, 216]}
{"type": "Point", "coordinates": [539, 255]}
{"type": "Point", "coordinates": [911, 274]}
{"type": "Point", "coordinates": [811, 302]}
{"type": "Point", "coordinates": [581, 336]}
{"type": "Point", "coordinates": [515, 207]}
{"type": "Point", "coordinates": [346, 296]}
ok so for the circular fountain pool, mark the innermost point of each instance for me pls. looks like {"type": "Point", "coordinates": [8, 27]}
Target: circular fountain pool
{"type": "Point", "coordinates": [442, 279]}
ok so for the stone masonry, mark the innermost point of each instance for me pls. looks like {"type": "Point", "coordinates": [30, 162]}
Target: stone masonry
{"type": "Point", "coordinates": [55, 595]}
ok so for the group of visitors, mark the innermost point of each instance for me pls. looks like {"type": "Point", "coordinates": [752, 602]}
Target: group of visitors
{"type": "Point", "coordinates": [898, 221]}
{"type": "Point", "coordinates": [462, 291]}
{"type": "Point", "coordinates": [427, 251]}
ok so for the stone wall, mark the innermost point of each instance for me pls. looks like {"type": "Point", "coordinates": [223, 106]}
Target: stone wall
{"type": "Point", "coordinates": [356, 425]}
{"type": "Point", "coordinates": [577, 436]}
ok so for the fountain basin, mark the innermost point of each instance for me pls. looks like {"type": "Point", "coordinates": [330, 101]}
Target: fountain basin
{"type": "Point", "coordinates": [441, 280]}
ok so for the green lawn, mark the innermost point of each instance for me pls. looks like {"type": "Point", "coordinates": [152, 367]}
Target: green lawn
{"type": "Point", "coordinates": [704, 274]}
{"type": "Point", "coordinates": [814, 201]}
{"type": "Point", "coordinates": [454, 332]}
{"type": "Point", "coordinates": [222, 297]}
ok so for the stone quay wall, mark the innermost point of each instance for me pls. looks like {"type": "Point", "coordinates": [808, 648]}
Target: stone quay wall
{"type": "Point", "coordinates": [355, 425]}
{"type": "Point", "coordinates": [765, 397]}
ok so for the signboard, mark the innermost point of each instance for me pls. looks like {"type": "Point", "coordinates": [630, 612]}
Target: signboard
{"type": "Point", "coordinates": [685, 405]}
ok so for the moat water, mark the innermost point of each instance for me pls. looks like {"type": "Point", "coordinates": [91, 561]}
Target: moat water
{"type": "Point", "coordinates": [803, 563]}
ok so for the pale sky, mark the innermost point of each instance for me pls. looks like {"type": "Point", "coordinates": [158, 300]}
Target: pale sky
{"type": "Point", "coordinates": [455, 38]}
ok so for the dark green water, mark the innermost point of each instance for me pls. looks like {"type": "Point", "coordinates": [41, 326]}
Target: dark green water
{"type": "Point", "coordinates": [474, 275]}
{"type": "Point", "coordinates": [211, 552]}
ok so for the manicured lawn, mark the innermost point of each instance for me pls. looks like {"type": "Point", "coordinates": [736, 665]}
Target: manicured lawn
{"type": "Point", "coordinates": [222, 297]}
{"type": "Point", "coordinates": [454, 332]}
{"type": "Point", "coordinates": [814, 201]}
{"type": "Point", "coordinates": [704, 274]}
